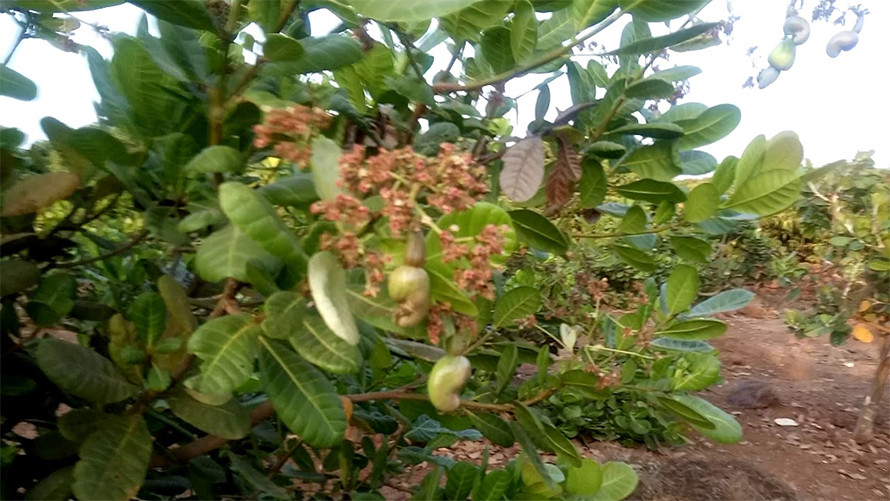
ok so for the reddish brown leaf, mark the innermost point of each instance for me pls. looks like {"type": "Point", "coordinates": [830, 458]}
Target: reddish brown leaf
{"type": "Point", "coordinates": [561, 181]}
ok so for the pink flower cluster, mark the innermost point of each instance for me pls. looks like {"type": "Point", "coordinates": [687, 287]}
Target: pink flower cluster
{"type": "Point", "coordinates": [436, 321]}
{"type": "Point", "coordinates": [290, 130]}
{"type": "Point", "coordinates": [475, 273]}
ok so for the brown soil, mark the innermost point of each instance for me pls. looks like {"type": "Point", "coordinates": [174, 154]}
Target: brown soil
{"type": "Point", "coordinates": [819, 386]}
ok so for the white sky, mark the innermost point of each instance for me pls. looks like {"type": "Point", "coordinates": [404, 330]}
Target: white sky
{"type": "Point", "coordinates": [837, 106]}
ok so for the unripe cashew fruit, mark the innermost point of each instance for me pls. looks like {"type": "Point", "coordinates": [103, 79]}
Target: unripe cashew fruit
{"type": "Point", "coordinates": [844, 40]}
{"type": "Point", "coordinates": [767, 76]}
{"type": "Point", "coordinates": [782, 56]}
{"type": "Point", "coordinates": [409, 284]}
{"type": "Point", "coordinates": [405, 280]}
{"type": "Point", "coordinates": [446, 381]}
{"type": "Point", "coordinates": [797, 28]}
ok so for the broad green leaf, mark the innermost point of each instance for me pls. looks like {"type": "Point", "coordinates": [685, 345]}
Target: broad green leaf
{"type": "Point", "coordinates": [494, 486]}
{"type": "Point", "coordinates": [265, 13]}
{"type": "Point", "coordinates": [724, 428]}
{"type": "Point", "coordinates": [523, 169]}
{"type": "Point", "coordinates": [226, 347]}
{"type": "Point", "coordinates": [318, 344]}
{"type": "Point", "coordinates": [619, 481]}
{"type": "Point", "coordinates": [54, 487]}
{"type": "Point", "coordinates": [326, 168]}
{"type": "Point", "coordinates": [635, 257]}
{"type": "Point", "coordinates": [469, 23]}
{"type": "Point", "coordinates": [658, 161]}
{"type": "Point", "coordinates": [697, 163]}
{"type": "Point", "coordinates": [17, 275]}
{"type": "Point", "coordinates": [189, 13]}
{"type": "Point", "coordinates": [584, 480]}
{"type": "Point", "coordinates": [607, 149]}
{"type": "Point", "coordinates": [660, 10]}
{"type": "Point", "coordinates": [515, 304]}
{"type": "Point", "coordinates": [682, 289]}
{"type": "Point", "coordinates": [556, 29]}
{"type": "Point", "coordinates": [523, 30]}
{"type": "Point", "coordinates": [493, 428]}
{"type": "Point", "coordinates": [653, 130]}
{"type": "Point", "coordinates": [701, 203]}
{"type": "Point", "coordinates": [593, 186]}
{"type": "Point", "coordinates": [698, 329]}
{"type": "Point", "coordinates": [180, 320]}
{"type": "Point", "coordinates": [37, 192]}
{"type": "Point", "coordinates": [537, 231]}
{"type": "Point", "coordinates": [783, 151]}
{"type": "Point", "coordinates": [766, 193]}
{"type": "Point", "coordinates": [691, 249]}
{"type": "Point", "coordinates": [257, 219]}
{"type": "Point", "coordinates": [256, 478]}
{"type": "Point", "coordinates": [82, 372]}
{"type": "Point", "coordinates": [711, 126]}
{"type": "Point", "coordinates": [561, 444]}
{"type": "Point", "coordinates": [296, 191]}
{"type": "Point", "coordinates": [652, 191]}
{"type": "Point", "coordinates": [215, 159]}
{"type": "Point", "coordinates": [443, 289]}
{"type": "Point", "coordinates": [113, 460]}
{"type": "Point", "coordinates": [730, 300]}
{"type": "Point", "coordinates": [685, 111]}
{"type": "Point", "coordinates": [542, 103]}
{"type": "Point", "coordinates": [634, 220]}
{"type": "Point", "coordinates": [654, 44]}
{"type": "Point", "coordinates": [280, 47]}
{"type": "Point", "coordinates": [230, 420]}
{"type": "Point", "coordinates": [227, 252]}
{"type": "Point", "coordinates": [751, 161]}
{"type": "Point", "coordinates": [649, 88]}
{"type": "Point", "coordinates": [703, 371]}
{"type": "Point", "coordinates": [724, 174]}
{"type": "Point", "coordinates": [679, 73]}
{"type": "Point", "coordinates": [430, 141]}
{"type": "Point", "coordinates": [52, 300]}
{"type": "Point", "coordinates": [386, 10]}
{"type": "Point", "coordinates": [304, 398]}
{"type": "Point", "coordinates": [531, 451]}
{"type": "Point", "coordinates": [327, 282]}
{"type": "Point", "coordinates": [429, 486]}
{"type": "Point", "coordinates": [589, 12]}
{"type": "Point", "coordinates": [461, 478]}
{"type": "Point", "coordinates": [15, 85]}
{"type": "Point", "coordinates": [149, 314]}
{"type": "Point", "coordinates": [496, 49]}
{"type": "Point", "coordinates": [684, 411]}
{"type": "Point", "coordinates": [285, 312]}
{"type": "Point", "coordinates": [329, 52]}
{"type": "Point", "coordinates": [665, 343]}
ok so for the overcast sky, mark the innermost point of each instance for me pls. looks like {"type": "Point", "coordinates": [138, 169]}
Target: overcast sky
{"type": "Point", "coordinates": [837, 106]}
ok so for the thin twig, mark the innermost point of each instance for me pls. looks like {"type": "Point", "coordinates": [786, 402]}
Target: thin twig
{"type": "Point", "coordinates": [129, 245]}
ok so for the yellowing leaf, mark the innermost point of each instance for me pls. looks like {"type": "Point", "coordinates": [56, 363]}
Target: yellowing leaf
{"type": "Point", "coordinates": [861, 333]}
{"type": "Point", "coordinates": [864, 305]}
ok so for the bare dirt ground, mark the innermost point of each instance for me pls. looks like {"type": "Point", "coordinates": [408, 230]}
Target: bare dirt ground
{"type": "Point", "coordinates": [819, 386]}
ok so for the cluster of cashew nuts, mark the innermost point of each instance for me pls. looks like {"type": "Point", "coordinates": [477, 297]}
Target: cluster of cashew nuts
{"type": "Point", "coordinates": [797, 31]}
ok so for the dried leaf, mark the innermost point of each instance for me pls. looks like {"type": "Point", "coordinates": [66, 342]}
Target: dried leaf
{"type": "Point", "coordinates": [862, 333]}
{"type": "Point", "coordinates": [36, 192]}
{"type": "Point", "coordinates": [561, 181]}
{"type": "Point", "coordinates": [523, 169]}
{"type": "Point", "coordinates": [568, 155]}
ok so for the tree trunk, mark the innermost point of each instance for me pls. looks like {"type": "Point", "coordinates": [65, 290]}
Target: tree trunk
{"type": "Point", "coordinates": [865, 426]}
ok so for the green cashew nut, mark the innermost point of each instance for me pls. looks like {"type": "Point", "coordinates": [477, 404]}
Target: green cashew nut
{"type": "Point", "coordinates": [446, 381]}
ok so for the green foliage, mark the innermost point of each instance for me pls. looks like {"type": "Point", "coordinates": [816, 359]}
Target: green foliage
{"type": "Point", "coordinates": [223, 247]}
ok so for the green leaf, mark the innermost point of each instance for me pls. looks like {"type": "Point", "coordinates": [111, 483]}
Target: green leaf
{"type": "Point", "coordinates": [230, 420]}
{"type": "Point", "coordinates": [677, 74]}
{"type": "Point", "coordinates": [506, 368]}
{"type": "Point", "coordinates": [188, 13]}
{"type": "Point", "coordinates": [634, 220]}
{"type": "Point", "coordinates": [257, 219]}
{"type": "Point", "coordinates": [516, 304]}
{"type": "Point", "coordinates": [53, 299]}
{"type": "Point", "coordinates": [752, 159]}
{"type": "Point", "coordinates": [658, 161]}
{"type": "Point", "coordinates": [649, 88]}
{"type": "Point", "coordinates": [664, 343]}
{"type": "Point", "coordinates": [682, 288]}
{"type": "Point", "coordinates": [563, 447]}
{"type": "Point", "coordinates": [113, 460]}
{"type": "Point", "coordinates": [149, 314]}
{"type": "Point", "coordinates": [280, 47]}
{"type": "Point", "coordinates": [593, 186]}
{"type": "Point", "coordinates": [326, 168]}
{"type": "Point", "coordinates": [54, 487]}
{"type": "Point", "coordinates": [227, 347]}
{"type": "Point", "coordinates": [320, 54]}
{"type": "Point", "coordinates": [691, 249]}
{"type": "Point", "coordinates": [766, 193]}
{"type": "Point", "coordinates": [493, 428]}
{"type": "Point", "coordinates": [443, 289]}
{"type": "Point", "coordinates": [697, 163]}
{"type": "Point", "coordinates": [653, 130]}
{"type": "Point", "coordinates": [494, 486]}
{"type": "Point", "coordinates": [530, 450]}
{"type": "Point", "coordinates": [724, 428]}
{"type": "Point", "coordinates": [257, 478]}
{"type": "Point", "coordinates": [158, 379]}
{"type": "Point", "coordinates": [215, 159]}
{"type": "Point", "coordinates": [660, 10]}
{"type": "Point", "coordinates": [635, 257]}
{"type": "Point", "coordinates": [461, 478]}
{"type": "Point", "coordinates": [327, 282]}
{"type": "Point", "coordinates": [619, 481]}
{"type": "Point", "coordinates": [537, 231]}
{"type": "Point", "coordinates": [469, 23]}
{"type": "Point", "coordinates": [724, 174]}
{"type": "Point", "coordinates": [15, 85]}
{"type": "Point", "coordinates": [703, 371]}
{"type": "Point", "coordinates": [265, 13]}
{"type": "Point", "coordinates": [542, 103]}
{"type": "Point", "coordinates": [319, 345]}
{"type": "Point", "coordinates": [653, 191]}
{"type": "Point", "coordinates": [730, 300]}
{"type": "Point", "coordinates": [471, 223]}
{"type": "Point", "coordinates": [607, 149]}
{"type": "Point", "coordinates": [701, 203]}
{"type": "Point", "coordinates": [429, 486]}
{"type": "Point", "coordinates": [654, 44]}
{"type": "Point", "coordinates": [556, 30]}
{"type": "Point", "coordinates": [304, 398]}
{"type": "Point", "coordinates": [82, 372]}
{"type": "Point", "coordinates": [710, 126]}
{"type": "Point", "coordinates": [783, 151]}
{"type": "Point", "coordinates": [584, 480]}
{"type": "Point", "coordinates": [385, 10]}
{"type": "Point", "coordinates": [698, 329]}
{"type": "Point", "coordinates": [589, 12]}
{"type": "Point", "coordinates": [523, 30]}
{"type": "Point", "coordinates": [296, 191]}
{"type": "Point", "coordinates": [227, 252]}
{"type": "Point", "coordinates": [496, 49]}
{"type": "Point", "coordinates": [37, 192]}
{"type": "Point", "coordinates": [430, 141]}
{"type": "Point", "coordinates": [17, 275]}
